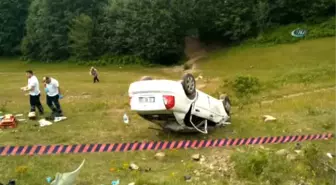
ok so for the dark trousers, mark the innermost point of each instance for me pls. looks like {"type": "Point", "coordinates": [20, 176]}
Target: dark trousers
{"type": "Point", "coordinates": [95, 79]}
{"type": "Point", "coordinates": [35, 102]}
{"type": "Point", "coordinates": [54, 105]}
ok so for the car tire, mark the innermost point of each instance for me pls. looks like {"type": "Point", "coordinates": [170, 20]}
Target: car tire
{"type": "Point", "coordinates": [226, 103]}
{"type": "Point", "coordinates": [189, 85]}
{"type": "Point", "coordinates": [146, 78]}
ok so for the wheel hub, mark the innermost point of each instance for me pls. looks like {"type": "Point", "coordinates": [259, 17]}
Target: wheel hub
{"type": "Point", "coordinates": [190, 84]}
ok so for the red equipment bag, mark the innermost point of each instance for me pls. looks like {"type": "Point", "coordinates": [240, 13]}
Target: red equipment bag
{"type": "Point", "coordinates": [8, 121]}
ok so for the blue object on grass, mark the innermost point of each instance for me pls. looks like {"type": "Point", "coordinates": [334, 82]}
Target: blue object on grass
{"type": "Point", "coordinates": [60, 96]}
{"type": "Point", "coordinates": [115, 182]}
{"type": "Point", "coordinates": [49, 179]}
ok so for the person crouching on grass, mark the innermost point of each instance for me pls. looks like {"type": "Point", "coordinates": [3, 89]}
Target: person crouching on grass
{"type": "Point", "coordinates": [34, 93]}
{"type": "Point", "coordinates": [53, 95]}
{"type": "Point", "coordinates": [94, 73]}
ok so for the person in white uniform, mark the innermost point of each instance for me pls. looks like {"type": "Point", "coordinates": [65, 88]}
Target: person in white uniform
{"type": "Point", "coordinates": [34, 92]}
{"type": "Point", "coordinates": [53, 95]}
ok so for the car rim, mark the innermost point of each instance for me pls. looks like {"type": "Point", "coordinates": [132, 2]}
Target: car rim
{"type": "Point", "coordinates": [190, 84]}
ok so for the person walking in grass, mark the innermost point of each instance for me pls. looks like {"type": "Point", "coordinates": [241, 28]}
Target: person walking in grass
{"type": "Point", "coordinates": [94, 73]}
{"type": "Point", "coordinates": [53, 95]}
{"type": "Point", "coordinates": [34, 92]}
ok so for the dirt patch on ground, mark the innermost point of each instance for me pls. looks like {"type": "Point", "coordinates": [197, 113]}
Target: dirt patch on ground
{"type": "Point", "coordinates": [194, 50]}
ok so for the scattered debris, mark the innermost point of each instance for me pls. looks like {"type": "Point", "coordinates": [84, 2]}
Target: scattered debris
{"type": "Point", "coordinates": [160, 155]}
{"type": "Point", "coordinates": [268, 118]}
{"type": "Point", "coordinates": [330, 155]}
{"type": "Point", "coordinates": [134, 166]}
{"type": "Point", "coordinates": [125, 118]}
{"type": "Point", "coordinates": [187, 178]}
{"type": "Point", "coordinates": [197, 173]}
{"type": "Point", "coordinates": [298, 151]}
{"type": "Point", "coordinates": [44, 122]}
{"type": "Point", "coordinates": [282, 152]}
{"type": "Point", "coordinates": [148, 169]}
{"type": "Point", "coordinates": [116, 182]}
{"type": "Point", "coordinates": [196, 157]}
{"type": "Point", "coordinates": [202, 159]}
{"type": "Point", "coordinates": [291, 157]}
{"type": "Point", "coordinates": [132, 183]}
{"type": "Point", "coordinates": [18, 115]}
{"type": "Point", "coordinates": [298, 146]}
{"type": "Point", "coordinates": [32, 115]}
{"type": "Point", "coordinates": [49, 179]}
{"type": "Point", "coordinates": [67, 178]}
{"type": "Point", "coordinates": [21, 120]}
{"type": "Point", "coordinates": [200, 77]}
{"type": "Point", "coordinates": [58, 119]}
{"type": "Point", "coordinates": [112, 169]}
{"type": "Point", "coordinates": [11, 182]}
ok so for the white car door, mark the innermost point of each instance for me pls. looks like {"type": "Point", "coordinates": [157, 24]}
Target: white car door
{"type": "Point", "coordinates": [201, 107]}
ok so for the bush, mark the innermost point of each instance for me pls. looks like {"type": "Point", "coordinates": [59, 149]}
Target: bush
{"type": "Point", "coordinates": [316, 163]}
{"type": "Point", "coordinates": [245, 86]}
{"type": "Point", "coordinates": [262, 166]}
{"type": "Point", "coordinates": [250, 165]}
{"type": "Point", "coordinates": [115, 60]}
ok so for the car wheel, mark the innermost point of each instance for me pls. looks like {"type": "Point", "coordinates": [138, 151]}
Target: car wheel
{"type": "Point", "coordinates": [226, 103]}
{"type": "Point", "coordinates": [189, 85]}
{"type": "Point", "coordinates": [146, 78]}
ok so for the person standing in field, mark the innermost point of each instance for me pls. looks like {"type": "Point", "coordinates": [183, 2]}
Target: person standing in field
{"type": "Point", "coordinates": [94, 73]}
{"type": "Point", "coordinates": [34, 92]}
{"type": "Point", "coordinates": [53, 95]}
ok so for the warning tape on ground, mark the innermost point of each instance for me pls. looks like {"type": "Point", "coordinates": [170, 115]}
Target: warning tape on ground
{"type": "Point", "coordinates": [154, 145]}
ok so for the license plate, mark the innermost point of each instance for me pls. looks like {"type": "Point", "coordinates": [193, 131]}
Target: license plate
{"type": "Point", "coordinates": [146, 99]}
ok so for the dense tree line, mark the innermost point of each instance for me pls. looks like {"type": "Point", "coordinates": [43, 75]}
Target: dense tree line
{"type": "Point", "coordinates": [13, 14]}
{"type": "Point", "coordinates": [154, 30]}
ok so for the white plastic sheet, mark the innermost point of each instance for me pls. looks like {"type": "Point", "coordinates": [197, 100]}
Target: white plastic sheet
{"type": "Point", "coordinates": [68, 178]}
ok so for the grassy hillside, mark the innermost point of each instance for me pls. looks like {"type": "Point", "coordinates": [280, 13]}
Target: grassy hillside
{"type": "Point", "coordinates": [95, 112]}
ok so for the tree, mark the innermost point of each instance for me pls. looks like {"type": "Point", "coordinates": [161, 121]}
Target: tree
{"type": "Point", "coordinates": [143, 28]}
{"type": "Point", "coordinates": [229, 20]}
{"type": "Point", "coordinates": [80, 37]}
{"type": "Point", "coordinates": [49, 23]}
{"type": "Point", "coordinates": [13, 14]}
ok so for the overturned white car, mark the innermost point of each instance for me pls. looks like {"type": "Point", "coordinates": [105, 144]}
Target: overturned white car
{"type": "Point", "coordinates": [178, 105]}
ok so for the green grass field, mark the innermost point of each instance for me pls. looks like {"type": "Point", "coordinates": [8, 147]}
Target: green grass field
{"type": "Point", "coordinates": [95, 113]}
